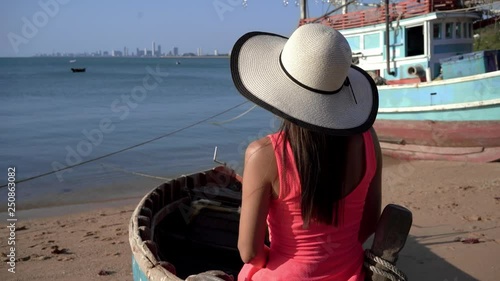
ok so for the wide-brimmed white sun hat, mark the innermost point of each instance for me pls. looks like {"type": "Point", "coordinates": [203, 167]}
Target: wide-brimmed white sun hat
{"type": "Point", "coordinates": [308, 79]}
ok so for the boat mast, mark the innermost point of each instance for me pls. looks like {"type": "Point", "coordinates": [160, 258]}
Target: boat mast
{"type": "Point", "coordinates": [387, 47]}
{"type": "Point", "coordinates": [303, 9]}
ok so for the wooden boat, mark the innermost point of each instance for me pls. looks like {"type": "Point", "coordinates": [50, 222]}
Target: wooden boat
{"type": "Point", "coordinates": [78, 69]}
{"type": "Point", "coordinates": [438, 99]}
{"type": "Point", "coordinates": [188, 227]}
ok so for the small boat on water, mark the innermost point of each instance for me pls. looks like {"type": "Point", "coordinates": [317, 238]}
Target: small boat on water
{"type": "Point", "coordinates": [78, 69]}
{"type": "Point", "coordinates": [438, 100]}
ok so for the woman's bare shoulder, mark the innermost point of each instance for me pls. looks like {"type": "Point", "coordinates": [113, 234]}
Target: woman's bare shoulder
{"type": "Point", "coordinates": [259, 148]}
{"type": "Point", "coordinates": [260, 156]}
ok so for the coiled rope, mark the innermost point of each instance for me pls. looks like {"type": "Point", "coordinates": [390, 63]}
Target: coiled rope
{"type": "Point", "coordinates": [127, 148]}
{"type": "Point", "coordinates": [387, 270]}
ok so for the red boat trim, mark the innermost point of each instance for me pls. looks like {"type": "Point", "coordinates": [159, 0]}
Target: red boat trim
{"type": "Point", "coordinates": [466, 154]}
{"type": "Point", "coordinates": [439, 133]}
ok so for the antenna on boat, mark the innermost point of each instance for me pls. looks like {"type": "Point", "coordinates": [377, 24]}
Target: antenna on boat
{"type": "Point", "coordinates": [215, 158]}
{"type": "Point", "coordinates": [387, 41]}
{"type": "Point", "coordinates": [344, 6]}
{"type": "Point", "coordinates": [303, 10]}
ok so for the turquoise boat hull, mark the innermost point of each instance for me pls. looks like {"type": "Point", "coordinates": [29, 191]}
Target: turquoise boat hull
{"type": "Point", "coordinates": [473, 98]}
{"type": "Point", "coordinates": [454, 119]}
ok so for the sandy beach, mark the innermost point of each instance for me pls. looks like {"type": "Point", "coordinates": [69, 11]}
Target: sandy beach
{"type": "Point", "coordinates": [455, 234]}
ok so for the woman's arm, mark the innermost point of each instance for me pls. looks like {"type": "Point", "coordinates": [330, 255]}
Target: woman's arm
{"type": "Point", "coordinates": [371, 212]}
{"type": "Point", "coordinates": [256, 197]}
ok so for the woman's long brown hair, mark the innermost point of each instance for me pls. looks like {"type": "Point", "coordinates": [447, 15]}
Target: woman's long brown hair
{"type": "Point", "coordinates": [321, 164]}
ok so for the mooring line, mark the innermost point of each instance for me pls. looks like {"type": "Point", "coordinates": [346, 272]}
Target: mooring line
{"type": "Point", "coordinates": [134, 173]}
{"type": "Point", "coordinates": [234, 118]}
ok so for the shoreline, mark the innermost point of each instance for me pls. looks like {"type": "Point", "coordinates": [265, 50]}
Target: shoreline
{"type": "Point", "coordinates": [47, 212]}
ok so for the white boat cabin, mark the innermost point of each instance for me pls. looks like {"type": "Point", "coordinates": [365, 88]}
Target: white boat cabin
{"type": "Point", "coordinates": [420, 36]}
{"type": "Point", "coordinates": [416, 45]}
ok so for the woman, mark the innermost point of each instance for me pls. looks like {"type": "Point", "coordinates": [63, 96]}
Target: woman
{"type": "Point", "coordinates": [316, 183]}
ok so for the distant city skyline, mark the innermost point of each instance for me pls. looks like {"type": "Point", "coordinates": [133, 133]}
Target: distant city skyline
{"type": "Point", "coordinates": [35, 27]}
{"type": "Point", "coordinates": [139, 52]}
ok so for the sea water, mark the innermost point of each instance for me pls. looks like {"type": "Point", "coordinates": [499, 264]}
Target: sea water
{"type": "Point", "coordinates": [52, 119]}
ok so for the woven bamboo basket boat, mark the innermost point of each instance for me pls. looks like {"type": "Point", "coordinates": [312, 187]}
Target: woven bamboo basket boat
{"type": "Point", "coordinates": [187, 228]}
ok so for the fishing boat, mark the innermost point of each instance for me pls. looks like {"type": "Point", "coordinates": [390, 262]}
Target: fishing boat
{"type": "Point", "coordinates": [438, 100]}
{"type": "Point", "coordinates": [78, 69]}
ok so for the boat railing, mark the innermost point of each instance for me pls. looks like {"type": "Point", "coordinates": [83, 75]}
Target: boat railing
{"type": "Point", "coordinates": [401, 10]}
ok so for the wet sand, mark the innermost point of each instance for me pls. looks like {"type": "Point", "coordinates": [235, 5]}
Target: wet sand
{"type": "Point", "coordinates": [455, 234]}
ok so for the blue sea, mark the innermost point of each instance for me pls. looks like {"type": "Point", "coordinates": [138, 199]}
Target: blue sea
{"type": "Point", "coordinates": [52, 118]}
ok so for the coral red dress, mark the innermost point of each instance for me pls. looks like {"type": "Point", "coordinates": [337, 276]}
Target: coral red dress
{"type": "Point", "coordinates": [321, 252]}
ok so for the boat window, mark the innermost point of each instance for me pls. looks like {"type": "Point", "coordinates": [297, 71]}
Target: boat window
{"type": "Point", "coordinates": [470, 30]}
{"type": "Point", "coordinates": [371, 41]}
{"type": "Point", "coordinates": [458, 30]}
{"type": "Point", "coordinates": [415, 41]}
{"type": "Point", "coordinates": [449, 30]}
{"type": "Point", "coordinates": [466, 30]}
{"type": "Point", "coordinates": [437, 30]}
{"type": "Point", "coordinates": [353, 42]}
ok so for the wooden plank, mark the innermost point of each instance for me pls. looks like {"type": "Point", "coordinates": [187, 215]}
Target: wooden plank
{"type": "Point", "coordinates": [155, 198]}
{"type": "Point", "coordinates": [490, 154]}
{"type": "Point", "coordinates": [146, 212]}
{"type": "Point", "coordinates": [175, 190]}
{"type": "Point", "coordinates": [143, 221]}
{"type": "Point", "coordinates": [441, 133]}
{"type": "Point", "coordinates": [161, 194]}
{"type": "Point", "coordinates": [432, 149]}
{"type": "Point", "coordinates": [144, 233]}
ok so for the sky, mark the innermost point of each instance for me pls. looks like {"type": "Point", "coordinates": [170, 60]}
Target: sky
{"type": "Point", "coordinates": [30, 27]}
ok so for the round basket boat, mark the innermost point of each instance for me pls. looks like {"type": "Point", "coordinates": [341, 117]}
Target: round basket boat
{"type": "Point", "coordinates": [187, 228]}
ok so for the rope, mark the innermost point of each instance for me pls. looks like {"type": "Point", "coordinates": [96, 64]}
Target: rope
{"type": "Point", "coordinates": [234, 118]}
{"type": "Point", "coordinates": [127, 148]}
{"type": "Point", "coordinates": [388, 270]}
{"type": "Point", "coordinates": [135, 173]}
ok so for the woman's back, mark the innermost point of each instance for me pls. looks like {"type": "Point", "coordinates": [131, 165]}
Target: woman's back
{"type": "Point", "coordinates": [320, 251]}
